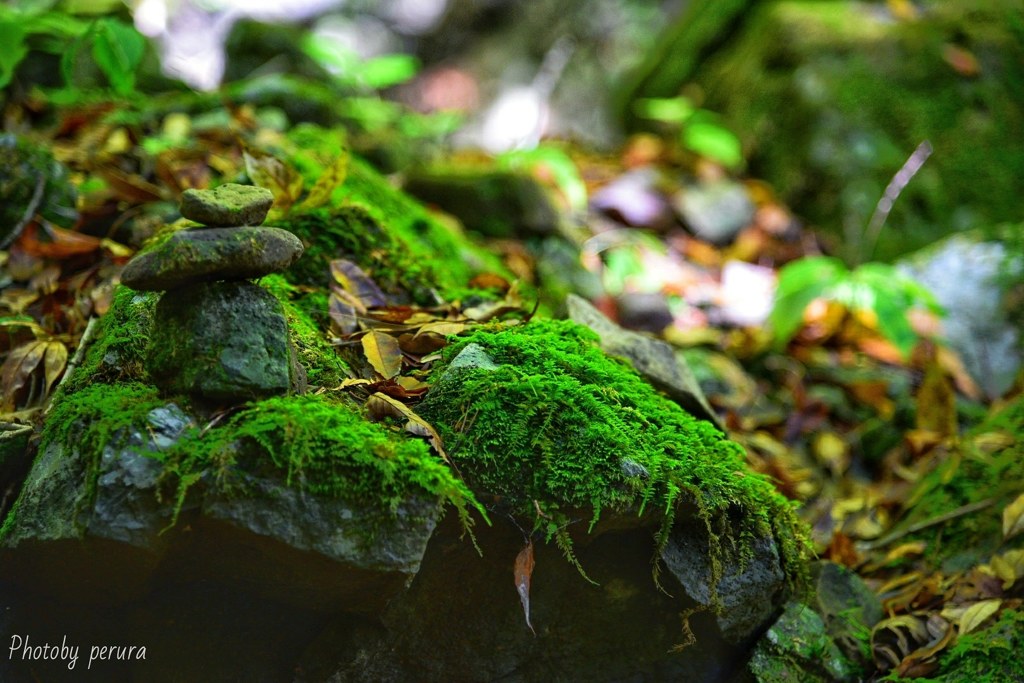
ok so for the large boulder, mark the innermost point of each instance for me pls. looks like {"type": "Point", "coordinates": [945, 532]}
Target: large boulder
{"type": "Point", "coordinates": [831, 97]}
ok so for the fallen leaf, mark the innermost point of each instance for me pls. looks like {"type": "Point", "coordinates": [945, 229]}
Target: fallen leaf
{"type": "Point", "coordinates": [976, 615]}
{"type": "Point", "coordinates": [1013, 518]}
{"type": "Point", "coordinates": [21, 362]}
{"type": "Point", "coordinates": [356, 282]}
{"type": "Point", "coordinates": [523, 573]}
{"type": "Point", "coordinates": [344, 314]}
{"type": "Point", "coordinates": [54, 361]}
{"type": "Point", "coordinates": [56, 243]}
{"type": "Point", "coordinates": [381, 405]}
{"type": "Point", "coordinates": [1009, 567]}
{"type": "Point", "coordinates": [383, 352]}
{"type": "Point", "coordinates": [331, 179]}
{"type": "Point", "coordinates": [267, 171]}
{"type": "Point", "coordinates": [421, 344]}
{"type": "Point", "coordinates": [490, 281]}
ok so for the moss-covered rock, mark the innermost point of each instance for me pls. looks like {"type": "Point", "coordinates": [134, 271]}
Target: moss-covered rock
{"type": "Point", "coordinates": [224, 341]}
{"type": "Point", "coordinates": [832, 97]}
{"type": "Point", "coordinates": [559, 432]}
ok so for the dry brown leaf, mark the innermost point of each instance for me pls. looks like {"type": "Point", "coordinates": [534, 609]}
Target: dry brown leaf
{"type": "Point", "coordinates": [21, 362]}
{"type": "Point", "coordinates": [56, 243]}
{"type": "Point", "coordinates": [383, 352]}
{"type": "Point", "coordinates": [1013, 518]}
{"type": "Point", "coordinates": [523, 573]}
{"type": "Point", "coordinates": [381, 405]}
{"type": "Point", "coordinates": [421, 344]}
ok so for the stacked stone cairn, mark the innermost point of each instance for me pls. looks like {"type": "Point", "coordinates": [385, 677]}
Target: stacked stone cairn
{"type": "Point", "coordinates": [215, 334]}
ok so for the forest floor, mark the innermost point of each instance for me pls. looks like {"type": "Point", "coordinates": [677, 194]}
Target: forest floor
{"type": "Point", "coordinates": [899, 461]}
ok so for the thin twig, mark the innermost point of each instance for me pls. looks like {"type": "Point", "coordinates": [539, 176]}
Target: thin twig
{"type": "Point", "coordinates": [76, 360]}
{"type": "Point", "coordinates": [934, 521]}
{"type": "Point", "coordinates": [892, 191]}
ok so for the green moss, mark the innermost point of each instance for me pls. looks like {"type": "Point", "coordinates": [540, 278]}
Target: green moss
{"type": "Point", "coordinates": [118, 346]}
{"type": "Point", "coordinates": [95, 417]}
{"type": "Point", "coordinates": [379, 227]}
{"type": "Point", "coordinates": [558, 427]}
{"type": "Point", "coordinates": [991, 655]}
{"type": "Point", "coordinates": [307, 324]}
{"type": "Point", "coordinates": [978, 473]}
{"type": "Point", "coordinates": [322, 446]}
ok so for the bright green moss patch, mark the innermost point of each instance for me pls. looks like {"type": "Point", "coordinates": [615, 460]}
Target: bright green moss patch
{"type": "Point", "coordinates": [310, 442]}
{"type": "Point", "coordinates": [558, 426]}
{"type": "Point", "coordinates": [306, 313]}
{"type": "Point", "coordinates": [118, 345]}
{"type": "Point", "coordinates": [322, 446]}
{"type": "Point", "coordinates": [378, 227]}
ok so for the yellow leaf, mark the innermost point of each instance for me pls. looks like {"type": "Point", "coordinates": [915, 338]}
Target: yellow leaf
{"type": "Point", "coordinates": [54, 361]}
{"type": "Point", "coordinates": [381, 405]}
{"type": "Point", "coordinates": [976, 615]}
{"type": "Point", "coordinates": [275, 175]}
{"type": "Point", "coordinates": [1013, 518]}
{"type": "Point", "coordinates": [1009, 567]}
{"type": "Point", "coordinates": [330, 180]}
{"type": "Point", "coordinates": [442, 328]}
{"type": "Point", "coordinates": [383, 352]}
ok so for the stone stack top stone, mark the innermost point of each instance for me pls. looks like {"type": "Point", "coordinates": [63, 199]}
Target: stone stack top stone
{"type": "Point", "coordinates": [228, 205]}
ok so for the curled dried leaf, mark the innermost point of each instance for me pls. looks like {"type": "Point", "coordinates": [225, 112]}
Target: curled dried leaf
{"type": "Point", "coordinates": [523, 572]}
{"type": "Point", "coordinates": [380, 406]}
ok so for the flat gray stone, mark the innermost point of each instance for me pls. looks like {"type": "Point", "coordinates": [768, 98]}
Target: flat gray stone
{"type": "Point", "coordinates": [225, 341]}
{"type": "Point", "coordinates": [192, 256]}
{"type": "Point", "coordinates": [716, 211]}
{"type": "Point", "coordinates": [652, 358]}
{"type": "Point", "coordinates": [227, 205]}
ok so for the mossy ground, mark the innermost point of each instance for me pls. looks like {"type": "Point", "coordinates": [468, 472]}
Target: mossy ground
{"type": "Point", "coordinates": [989, 466]}
{"type": "Point", "coordinates": [397, 241]}
{"type": "Point", "coordinates": [989, 655]}
{"type": "Point", "coordinates": [559, 428]}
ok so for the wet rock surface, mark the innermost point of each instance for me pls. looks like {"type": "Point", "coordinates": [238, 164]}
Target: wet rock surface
{"type": "Point", "coordinates": [227, 205]}
{"type": "Point", "coordinates": [225, 341]}
{"type": "Point", "coordinates": [202, 255]}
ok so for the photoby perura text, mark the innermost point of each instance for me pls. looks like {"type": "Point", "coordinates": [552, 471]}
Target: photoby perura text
{"type": "Point", "coordinates": [22, 648]}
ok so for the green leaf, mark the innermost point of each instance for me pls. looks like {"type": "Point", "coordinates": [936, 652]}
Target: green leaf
{"type": "Point", "coordinates": [670, 110]}
{"type": "Point", "coordinates": [800, 283]}
{"type": "Point", "coordinates": [713, 141]}
{"type": "Point", "coordinates": [12, 37]}
{"type": "Point", "coordinates": [388, 70]}
{"type": "Point", "coordinates": [118, 49]}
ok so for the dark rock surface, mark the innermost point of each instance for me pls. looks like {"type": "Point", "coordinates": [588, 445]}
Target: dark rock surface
{"type": "Point", "coordinates": [205, 254]}
{"type": "Point", "coordinates": [750, 590]}
{"type": "Point", "coordinates": [225, 341]}
{"type": "Point", "coordinates": [796, 649]}
{"type": "Point", "coordinates": [228, 205]}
